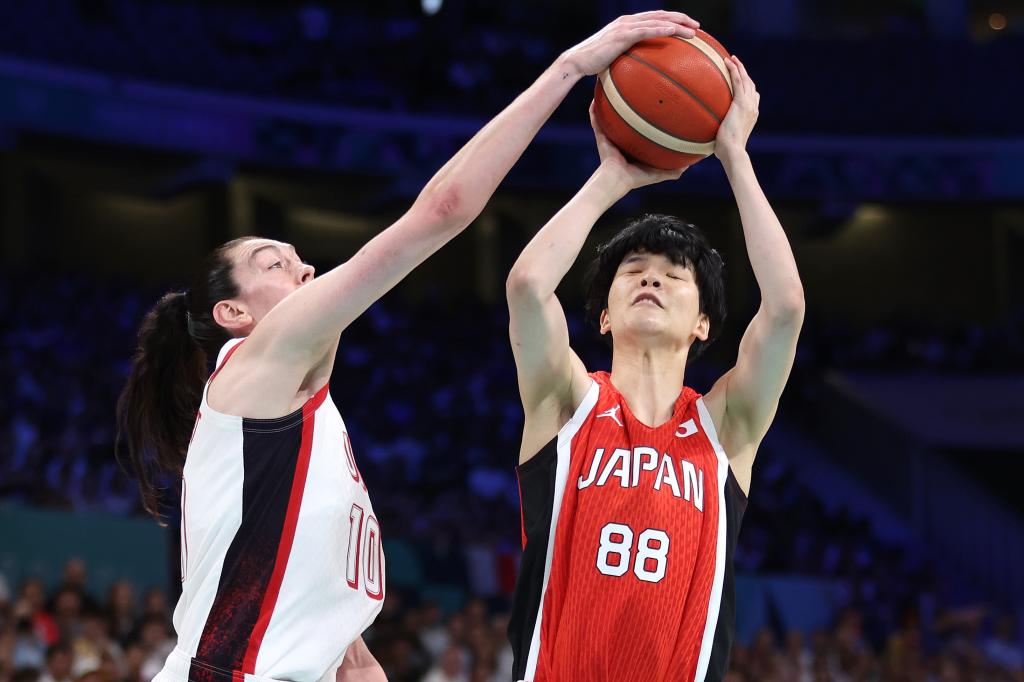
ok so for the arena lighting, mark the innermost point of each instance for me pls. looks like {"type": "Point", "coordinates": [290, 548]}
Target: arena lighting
{"type": "Point", "coordinates": [431, 7]}
{"type": "Point", "coordinates": [997, 21]}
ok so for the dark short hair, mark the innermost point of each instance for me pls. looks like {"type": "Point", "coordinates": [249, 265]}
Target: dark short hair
{"type": "Point", "coordinates": [679, 241]}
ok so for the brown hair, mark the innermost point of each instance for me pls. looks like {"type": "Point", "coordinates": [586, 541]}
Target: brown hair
{"type": "Point", "coordinates": [157, 407]}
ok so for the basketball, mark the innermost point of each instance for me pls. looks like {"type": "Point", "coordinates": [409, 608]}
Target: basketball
{"type": "Point", "coordinates": [661, 102]}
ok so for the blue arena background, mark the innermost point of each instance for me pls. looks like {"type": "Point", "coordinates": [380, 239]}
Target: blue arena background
{"type": "Point", "coordinates": [885, 534]}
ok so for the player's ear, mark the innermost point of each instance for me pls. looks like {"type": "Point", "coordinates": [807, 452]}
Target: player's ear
{"type": "Point", "coordinates": [605, 323]}
{"type": "Point", "coordinates": [232, 315]}
{"type": "Point", "coordinates": [703, 328]}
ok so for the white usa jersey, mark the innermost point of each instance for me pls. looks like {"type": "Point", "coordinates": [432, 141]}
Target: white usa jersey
{"type": "Point", "coordinates": [282, 565]}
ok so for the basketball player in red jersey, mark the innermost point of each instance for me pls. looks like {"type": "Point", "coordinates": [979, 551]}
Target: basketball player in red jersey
{"type": "Point", "coordinates": [281, 561]}
{"type": "Point", "coordinates": [632, 484]}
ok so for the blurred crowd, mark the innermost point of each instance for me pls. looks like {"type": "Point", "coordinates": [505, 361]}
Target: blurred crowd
{"type": "Point", "coordinates": [968, 653]}
{"type": "Point", "coordinates": [64, 373]}
{"type": "Point", "coordinates": [66, 634]}
{"type": "Point", "coordinates": [904, 622]}
{"type": "Point", "coordinates": [473, 58]}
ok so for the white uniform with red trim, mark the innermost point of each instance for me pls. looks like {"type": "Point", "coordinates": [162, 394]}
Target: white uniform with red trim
{"type": "Point", "coordinates": [281, 553]}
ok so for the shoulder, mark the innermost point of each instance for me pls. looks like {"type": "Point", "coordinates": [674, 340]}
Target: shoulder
{"type": "Point", "coordinates": [247, 382]}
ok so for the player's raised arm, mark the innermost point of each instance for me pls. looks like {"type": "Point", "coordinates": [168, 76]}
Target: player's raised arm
{"type": "Point", "coordinates": [301, 330]}
{"type": "Point", "coordinates": [753, 387]}
{"type": "Point", "coordinates": [552, 379]}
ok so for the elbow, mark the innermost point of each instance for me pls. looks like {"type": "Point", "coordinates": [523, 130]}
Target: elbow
{"type": "Point", "coordinates": [789, 307]}
{"type": "Point", "coordinates": [446, 206]}
{"type": "Point", "coordinates": [522, 284]}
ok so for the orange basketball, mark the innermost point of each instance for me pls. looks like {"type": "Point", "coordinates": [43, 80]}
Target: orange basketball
{"type": "Point", "coordinates": [661, 101]}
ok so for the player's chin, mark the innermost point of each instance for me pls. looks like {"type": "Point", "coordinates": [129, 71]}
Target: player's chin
{"type": "Point", "coordinates": [648, 324]}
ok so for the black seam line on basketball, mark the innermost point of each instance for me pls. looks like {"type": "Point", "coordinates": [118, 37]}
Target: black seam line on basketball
{"type": "Point", "coordinates": [682, 87]}
{"type": "Point", "coordinates": [717, 70]}
{"type": "Point", "coordinates": [656, 144]}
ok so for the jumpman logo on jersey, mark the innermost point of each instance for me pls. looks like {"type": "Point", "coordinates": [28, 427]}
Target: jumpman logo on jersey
{"type": "Point", "coordinates": [686, 429]}
{"type": "Point", "coordinates": [613, 413]}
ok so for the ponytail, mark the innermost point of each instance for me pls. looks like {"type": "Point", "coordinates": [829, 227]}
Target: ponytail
{"type": "Point", "coordinates": [158, 405]}
{"type": "Point", "coordinates": [157, 408]}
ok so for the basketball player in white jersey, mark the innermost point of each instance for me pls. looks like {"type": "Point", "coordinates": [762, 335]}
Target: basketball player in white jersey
{"type": "Point", "coordinates": [632, 484]}
{"type": "Point", "coordinates": [281, 553]}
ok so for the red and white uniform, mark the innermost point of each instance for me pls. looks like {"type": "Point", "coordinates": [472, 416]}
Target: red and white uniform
{"type": "Point", "coordinates": [281, 554]}
{"type": "Point", "coordinates": [628, 537]}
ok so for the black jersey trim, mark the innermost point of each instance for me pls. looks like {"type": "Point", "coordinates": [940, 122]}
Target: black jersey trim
{"type": "Point", "coordinates": [537, 489]}
{"type": "Point", "coordinates": [725, 629]}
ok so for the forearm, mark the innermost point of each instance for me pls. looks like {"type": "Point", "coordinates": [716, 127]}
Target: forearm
{"type": "Point", "coordinates": [467, 181]}
{"type": "Point", "coordinates": [767, 245]}
{"type": "Point", "coordinates": [449, 202]}
{"type": "Point", "coordinates": [359, 665]}
{"type": "Point", "coordinates": [553, 250]}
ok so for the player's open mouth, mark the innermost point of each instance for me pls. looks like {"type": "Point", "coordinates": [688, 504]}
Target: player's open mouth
{"type": "Point", "coordinates": [647, 297]}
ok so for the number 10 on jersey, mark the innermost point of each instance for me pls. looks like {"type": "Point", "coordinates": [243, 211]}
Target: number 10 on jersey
{"type": "Point", "coordinates": [365, 554]}
{"type": "Point", "coordinates": [615, 553]}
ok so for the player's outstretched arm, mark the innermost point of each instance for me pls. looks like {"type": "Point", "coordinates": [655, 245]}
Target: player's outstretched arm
{"type": "Point", "coordinates": [552, 379]}
{"type": "Point", "coordinates": [308, 322]}
{"type": "Point", "coordinates": [753, 387]}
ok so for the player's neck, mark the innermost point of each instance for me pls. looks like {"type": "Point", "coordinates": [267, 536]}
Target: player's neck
{"type": "Point", "coordinates": [649, 379]}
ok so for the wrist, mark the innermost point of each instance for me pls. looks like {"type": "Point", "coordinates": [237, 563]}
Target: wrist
{"type": "Point", "coordinates": [567, 68]}
{"type": "Point", "coordinates": [731, 155]}
{"type": "Point", "coordinates": [610, 183]}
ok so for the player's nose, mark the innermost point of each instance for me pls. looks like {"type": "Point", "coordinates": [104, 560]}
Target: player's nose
{"type": "Point", "coordinates": [306, 273]}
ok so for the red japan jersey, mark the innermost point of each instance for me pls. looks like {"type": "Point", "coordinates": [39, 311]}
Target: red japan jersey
{"type": "Point", "coordinates": [628, 538]}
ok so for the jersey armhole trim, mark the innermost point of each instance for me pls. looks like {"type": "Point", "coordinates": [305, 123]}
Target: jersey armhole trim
{"type": "Point", "coordinates": [204, 405]}
{"type": "Point", "coordinates": [569, 429]}
{"type": "Point", "coordinates": [257, 424]}
{"type": "Point", "coordinates": [709, 428]}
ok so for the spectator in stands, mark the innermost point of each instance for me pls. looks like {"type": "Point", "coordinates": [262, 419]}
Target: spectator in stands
{"type": "Point", "coordinates": [120, 610]}
{"type": "Point", "coordinates": [432, 632]}
{"type": "Point", "coordinates": [94, 649]}
{"type": "Point", "coordinates": [66, 607]}
{"type": "Point", "coordinates": [155, 605]}
{"type": "Point", "coordinates": [30, 607]}
{"type": "Point", "coordinates": [7, 644]}
{"type": "Point", "coordinates": [59, 661]}
{"type": "Point", "coordinates": [133, 662]}
{"type": "Point", "coordinates": [451, 667]}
